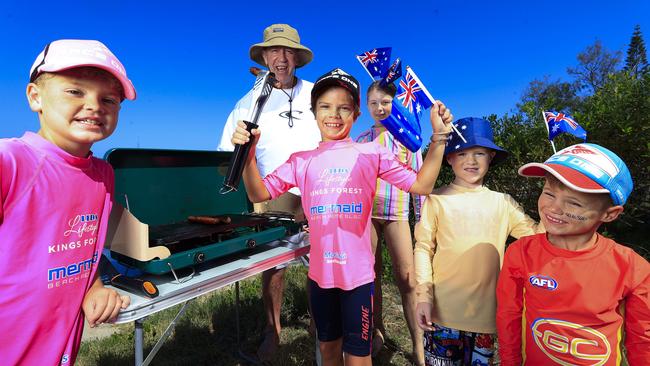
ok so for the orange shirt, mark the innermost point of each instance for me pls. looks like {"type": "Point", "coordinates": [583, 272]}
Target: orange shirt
{"type": "Point", "coordinates": [565, 307]}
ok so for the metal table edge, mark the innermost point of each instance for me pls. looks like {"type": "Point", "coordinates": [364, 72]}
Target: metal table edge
{"type": "Point", "coordinates": [177, 297]}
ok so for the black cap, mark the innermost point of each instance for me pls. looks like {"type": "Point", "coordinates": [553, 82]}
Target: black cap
{"type": "Point", "coordinates": [336, 77]}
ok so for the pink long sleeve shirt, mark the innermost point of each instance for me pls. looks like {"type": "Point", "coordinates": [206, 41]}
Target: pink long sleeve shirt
{"type": "Point", "coordinates": [338, 181]}
{"type": "Point", "coordinates": [53, 217]}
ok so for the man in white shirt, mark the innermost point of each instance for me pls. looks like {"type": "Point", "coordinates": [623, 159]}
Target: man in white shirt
{"type": "Point", "coordinates": [287, 126]}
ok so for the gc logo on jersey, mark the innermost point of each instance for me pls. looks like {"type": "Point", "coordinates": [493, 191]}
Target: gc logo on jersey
{"type": "Point", "coordinates": [569, 343]}
{"type": "Point", "coordinates": [544, 282]}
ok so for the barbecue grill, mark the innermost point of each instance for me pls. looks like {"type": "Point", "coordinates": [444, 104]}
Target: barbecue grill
{"type": "Point", "coordinates": [156, 191]}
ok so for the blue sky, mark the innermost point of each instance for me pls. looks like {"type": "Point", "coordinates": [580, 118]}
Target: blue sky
{"type": "Point", "coordinates": [189, 59]}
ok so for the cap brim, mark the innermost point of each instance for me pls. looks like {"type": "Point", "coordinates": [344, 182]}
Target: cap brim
{"type": "Point", "coordinates": [304, 54]}
{"type": "Point", "coordinates": [569, 177]}
{"type": "Point", "coordinates": [320, 86]}
{"type": "Point", "coordinates": [499, 156]}
{"type": "Point", "coordinates": [127, 85]}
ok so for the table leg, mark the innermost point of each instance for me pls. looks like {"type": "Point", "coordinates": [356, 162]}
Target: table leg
{"type": "Point", "coordinates": [138, 341]}
{"type": "Point", "coordinates": [237, 311]}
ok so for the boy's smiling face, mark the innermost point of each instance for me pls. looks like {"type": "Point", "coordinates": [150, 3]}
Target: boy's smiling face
{"type": "Point", "coordinates": [470, 165]}
{"type": "Point", "coordinates": [76, 107]}
{"type": "Point", "coordinates": [572, 217]}
{"type": "Point", "coordinates": [335, 113]}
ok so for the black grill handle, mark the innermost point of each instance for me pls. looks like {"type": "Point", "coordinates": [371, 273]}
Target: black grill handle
{"type": "Point", "coordinates": [237, 160]}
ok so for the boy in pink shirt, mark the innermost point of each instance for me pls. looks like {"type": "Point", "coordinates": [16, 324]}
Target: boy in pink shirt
{"type": "Point", "coordinates": [338, 181]}
{"type": "Point", "coordinates": [55, 199]}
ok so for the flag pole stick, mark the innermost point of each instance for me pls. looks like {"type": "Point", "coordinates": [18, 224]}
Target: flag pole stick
{"type": "Point", "coordinates": [426, 92]}
{"type": "Point", "coordinates": [364, 67]}
{"type": "Point", "coordinates": [548, 131]}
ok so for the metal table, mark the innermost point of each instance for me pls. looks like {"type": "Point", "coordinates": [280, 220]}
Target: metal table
{"type": "Point", "coordinates": [206, 278]}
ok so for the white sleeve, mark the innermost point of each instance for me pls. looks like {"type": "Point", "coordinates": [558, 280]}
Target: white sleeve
{"type": "Point", "coordinates": [226, 135]}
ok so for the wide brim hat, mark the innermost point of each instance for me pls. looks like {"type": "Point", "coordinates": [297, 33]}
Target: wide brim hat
{"type": "Point", "coordinates": [587, 168]}
{"type": "Point", "coordinates": [477, 132]}
{"type": "Point", "coordinates": [66, 54]}
{"type": "Point", "coordinates": [281, 35]}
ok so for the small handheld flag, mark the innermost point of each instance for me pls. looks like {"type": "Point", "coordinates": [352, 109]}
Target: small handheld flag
{"type": "Point", "coordinates": [410, 92]}
{"type": "Point", "coordinates": [558, 122]}
{"type": "Point", "coordinates": [404, 125]}
{"type": "Point", "coordinates": [412, 87]}
{"type": "Point", "coordinates": [393, 73]}
{"type": "Point", "coordinates": [376, 61]}
{"type": "Point", "coordinates": [411, 99]}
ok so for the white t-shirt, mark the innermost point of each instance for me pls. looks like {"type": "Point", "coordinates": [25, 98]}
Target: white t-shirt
{"type": "Point", "coordinates": [278, 141]}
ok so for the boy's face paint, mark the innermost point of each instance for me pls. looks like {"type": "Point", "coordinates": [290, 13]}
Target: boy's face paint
{"type": "Point", "coordinates": [335, 114]}
{"type": "Point", "coordinates": [568, 214]}
{"type": "Point", "coordinates": [76, 109]}
{"type": "Point", "coordinates": [470, 165]}
{"type": "Point", "coordinates": [575, 217]}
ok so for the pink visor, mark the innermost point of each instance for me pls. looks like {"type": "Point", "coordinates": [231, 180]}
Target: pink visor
{"type": "Point", "coordinates": [70, 53]}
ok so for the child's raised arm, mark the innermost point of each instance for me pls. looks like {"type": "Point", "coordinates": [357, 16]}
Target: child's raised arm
{"type": "Point", "coordinates": [255, 188]}
{"type": "Point", "coordinates": [441, 118]}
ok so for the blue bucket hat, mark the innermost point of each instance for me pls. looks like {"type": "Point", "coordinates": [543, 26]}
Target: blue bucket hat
{"type": "Point", "coordinates": [477, 132]}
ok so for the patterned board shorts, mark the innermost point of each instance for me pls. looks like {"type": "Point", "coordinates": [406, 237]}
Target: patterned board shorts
{"type": "Point", "coordinates": [451, 347]}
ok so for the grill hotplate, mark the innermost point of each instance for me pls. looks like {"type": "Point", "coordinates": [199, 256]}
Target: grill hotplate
{"type": "Point", "coordinates": [186, 232]}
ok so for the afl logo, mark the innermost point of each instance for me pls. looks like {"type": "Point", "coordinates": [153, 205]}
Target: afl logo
{"type": "Point", "coordinates": [544, 282]}
{"type": "Point", "coordinates": [569, 343]}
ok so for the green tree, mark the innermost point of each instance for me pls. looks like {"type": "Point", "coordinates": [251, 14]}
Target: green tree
{"type": "Point", "coordinates": [636, 62]}
{"type": "Point", "coordinates": [545, 94]}
{"type": "Point", "coordinates": [526, 140]}
{"type": "Point", "coordinates": [595, 65]}
{"type": "Point", "coordinates": [617, 116]}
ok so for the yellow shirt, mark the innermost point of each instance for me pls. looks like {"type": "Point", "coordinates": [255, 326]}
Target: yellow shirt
{"type": "Point", "coordinates": [460, 241]}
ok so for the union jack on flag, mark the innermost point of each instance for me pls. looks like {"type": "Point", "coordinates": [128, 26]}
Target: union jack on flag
{"type": "Point", "coordinates": [410, 93]}
{"type": "Point", "coordinates": [369, 57]}
{"type": "Point", "coordinates": [558, 117]}
{"type": "Point", "coordinates": [376, 61]}
{"type": "Point", "coordinates": [563, 123]}
{"type": "Point", "coordinates": [409, 87]}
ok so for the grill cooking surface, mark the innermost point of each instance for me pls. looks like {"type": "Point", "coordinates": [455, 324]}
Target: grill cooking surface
{"type": "Point", "coordinates": [196, 233]}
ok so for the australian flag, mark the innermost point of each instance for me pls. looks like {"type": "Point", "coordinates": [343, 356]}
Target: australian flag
{"type": "Point", "coordinates": [562, 123]}
{"type": "Point", "coordinates": [394, 72]}
{"type": "Point", "coordinates": [405, 126]}
{"type": "Point", "coordinates": [408, 105]}
{"type": "Point", "coordinates": [411, 94]}
{"type": "Point", "coordinates": [376, 61]}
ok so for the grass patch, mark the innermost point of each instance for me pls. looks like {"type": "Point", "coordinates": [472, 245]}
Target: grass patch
{"type": "Point", "coordinates": [206, 333]}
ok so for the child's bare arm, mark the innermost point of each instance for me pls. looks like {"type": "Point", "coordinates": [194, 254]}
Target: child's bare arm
{"type": "Point", "coordinates": [102, 304]}
{"type": "Point", "coordinates": [637, 315]}
{"type": "Point", "coordinates": [520, 223]}
{"type": "Point", "coordinates": [425, 244]}
{"type": "Point", "coordinates": [441, 118]}
{"type": "Point", "coordinates": [255, 188]}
